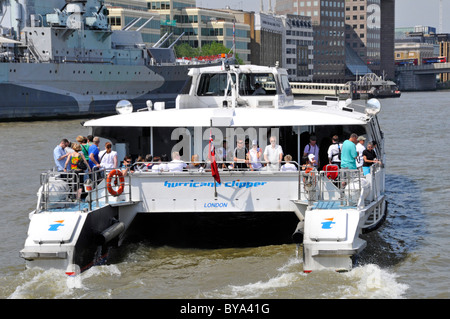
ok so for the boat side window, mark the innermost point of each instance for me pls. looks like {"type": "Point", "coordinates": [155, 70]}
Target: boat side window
{"type": "Point", "coordinates": [285, 85]}
{"type": "Point", "coordinates": [213, 84]}
{"type": "Point", "coordinates": [187, 86]}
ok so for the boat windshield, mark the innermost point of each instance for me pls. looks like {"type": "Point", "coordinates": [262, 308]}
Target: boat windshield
{"type": "Point", "coordinates": [214, 84]}
{"type": "Point", "coordinates": [250, 83]}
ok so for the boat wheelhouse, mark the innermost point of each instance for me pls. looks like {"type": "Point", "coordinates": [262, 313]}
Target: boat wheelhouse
{"type": "Point", "coordinates": [328, 208]}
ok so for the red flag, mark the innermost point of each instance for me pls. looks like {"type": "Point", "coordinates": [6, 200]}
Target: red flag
{"type": "Point", "coordinates": [212, 155]}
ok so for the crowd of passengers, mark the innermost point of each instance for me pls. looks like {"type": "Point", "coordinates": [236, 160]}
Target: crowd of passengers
{"type": "Point", "coordinates": [352, 154]}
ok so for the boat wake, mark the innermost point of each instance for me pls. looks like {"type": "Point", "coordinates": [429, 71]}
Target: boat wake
{"type": "Point", "coordinates": [368, 281]}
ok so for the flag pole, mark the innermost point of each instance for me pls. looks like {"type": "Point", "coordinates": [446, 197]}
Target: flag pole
{"type": "Point", "coordinates": [211, 159]}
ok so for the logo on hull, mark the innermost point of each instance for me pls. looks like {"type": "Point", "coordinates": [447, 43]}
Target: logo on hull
{"type": "Point", "coordinates": [328, 223]}
{"type": "Point", "coordinates": [54, 227]}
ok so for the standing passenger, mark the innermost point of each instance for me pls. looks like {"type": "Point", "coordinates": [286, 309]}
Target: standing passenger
{"type": "Point", "coordinates": [60, 155]}
{"type": "Point", "coordinates": [273, 154]}
{"type": "Point", "coordinates": [94, 161]}
{"type": "Point", "coordinates": [108, 157]}
{"type": "Point", "coordinates": [312, 148]}
{"type": "Point", "coordinates": [360, 149]}
{"type": "Point", "coordinates": [334, 151]}
{"type": "Point", "coordinates": [254, 156]}
{"type": "Point", "coordinates": [349, 153]}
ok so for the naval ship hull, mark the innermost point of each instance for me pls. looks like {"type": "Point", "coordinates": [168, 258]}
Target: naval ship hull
{"type": "Point", "coordinates": [51, 90]}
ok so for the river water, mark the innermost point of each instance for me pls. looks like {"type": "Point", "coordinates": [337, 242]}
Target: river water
{"type": "Point", "coordinates": [407, 258]}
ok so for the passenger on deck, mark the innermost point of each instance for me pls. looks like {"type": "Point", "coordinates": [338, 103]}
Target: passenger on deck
{"type": "Point", "coordinates": [334, 151]}
{"type": "Point", "coordinates": [139, 163]}
{"type": "Point", "coordinates": [309, 165]}
{"type": "Point", "coordinates": [312, 148]}
{"type": "Point", "coordinates": [60, 155]}
{"type": "Point", "coordinates": [94, 160]}
{"type": "Point", "coordinates": [349, 153]}
{"type": "Point", "coordinates": [126, 165]}
{"type": "Point", "coordinates": [148, 162]}
{"type": "Point", "coordinates": [360, 149]}
{"type": "Point", "coordinates": [239, 155]}
{"type": "Point", "coordinates": [108, 157]}
{"type": "Point", "coordinates": [370, 158]}
{"type": "Point", "coordinates": [288, 166]}
{"type": "Point", "coordinates": [72, 165]}
{"type": "Point", "coordinates": [195, 164]}
{"type": "Point", "coordinates": [273, 154]}
{"type": "Point", "coordinates": [73, 159]}
{"type": "Point", "coordinates": [82, 140]}
{"type": "Point", "coordinates": [176, 165]}
{"type": "Point", "coordinates": [156, 167]}
{"type": "Point", "coordinates": [254, 156]}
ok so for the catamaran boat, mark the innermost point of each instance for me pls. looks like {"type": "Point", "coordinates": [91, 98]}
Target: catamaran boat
{"type": "Point", "coordinates": [329, 208]}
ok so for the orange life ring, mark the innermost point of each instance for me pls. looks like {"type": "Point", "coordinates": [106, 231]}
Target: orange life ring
{"type": "Point", "coordinates": [115, 173]}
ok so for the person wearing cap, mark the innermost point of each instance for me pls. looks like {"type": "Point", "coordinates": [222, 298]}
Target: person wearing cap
{"type": "Point", "coordinates": [334, 151]}
{"type": "Point", "coordinates": [360, 149]}
{"type": "Point", "coordinates": [349, 153]}
{"type": "Point", "coordinates": [254, 156]}
{"type": "Point", "coordinates": [312, 148]}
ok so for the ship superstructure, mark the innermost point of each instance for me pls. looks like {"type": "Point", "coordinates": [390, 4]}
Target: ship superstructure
{"type": "Point", "coordinates": [61, 58]}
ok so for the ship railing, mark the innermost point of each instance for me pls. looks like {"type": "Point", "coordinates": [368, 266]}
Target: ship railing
{"type": "Point", "coordinates": [78, 191]}
{"type": "Point", "coordinates": [331, 188]}
{"type": "Point", "coordinates": [230, 166]}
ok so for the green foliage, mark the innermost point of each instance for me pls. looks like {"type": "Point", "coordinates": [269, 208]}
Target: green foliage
{"type": "Point", "coordinates": [185, 50]}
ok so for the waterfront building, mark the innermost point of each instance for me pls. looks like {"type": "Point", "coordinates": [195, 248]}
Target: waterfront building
{"type": "Point", "coordinates": [328, 21]}
{"type": "Point", "coordinates": [298, 47]}
{"type": "Point", "coordinates": [369, 33]}
{"type": "Point", "coordinates": [202, 26]}
{"type": "Point", "coordinates": [123, 12]}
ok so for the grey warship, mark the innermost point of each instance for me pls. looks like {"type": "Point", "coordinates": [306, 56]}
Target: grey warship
{"type": "Point", "coordinates": [60, 58]}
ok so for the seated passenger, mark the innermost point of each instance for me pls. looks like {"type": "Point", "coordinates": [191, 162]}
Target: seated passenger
{"type": "Point", "coordinates": [259, 90]}
{"type": "Point", "coordinates": [126, 166]}
{"type": "Point", "coordinates": [288, 167]}
{"type": "Point", "coordinates": [195, 163]}
{"type": "Point", "coordinates": [148, 162]}
{"type": "Point", "coordinates": [156, 167]}
{"type": "Point", "coordinates": [176, 165]}
{"type": "Point", "coordinates": [139, 163]}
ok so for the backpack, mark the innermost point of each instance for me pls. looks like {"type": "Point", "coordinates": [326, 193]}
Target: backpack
{"type": "Point", "coordinates": [81, 165]}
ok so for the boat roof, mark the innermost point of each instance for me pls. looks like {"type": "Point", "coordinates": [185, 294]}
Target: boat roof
{"type": "Point", "coordinates": [297, 115]}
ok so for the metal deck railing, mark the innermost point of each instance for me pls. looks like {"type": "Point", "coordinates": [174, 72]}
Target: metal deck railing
{"type": "Point", "coordinates": [77, 191]}
{"type": "Point", "coordinates": [340, 188]}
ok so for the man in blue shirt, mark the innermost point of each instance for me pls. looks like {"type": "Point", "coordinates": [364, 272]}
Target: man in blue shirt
{"type": "Point", "coordinates": [349, 153]}
{"type": "Point", "coordinates": [93, 153]}
{"type": "Point", "coordinates": [59, 155]}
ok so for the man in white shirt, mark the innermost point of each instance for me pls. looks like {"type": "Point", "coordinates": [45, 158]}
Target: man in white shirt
{"type": "Point", "coordinates": [59, 154]}
{"type": "Point", "coordinates": [273, 154]}
{"type": "Point", "coordinates": [360, 149]}
{"type": "Point", "coordinates": [334, 151]}
{"type": "Point", "coordinates": [176, 165]}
